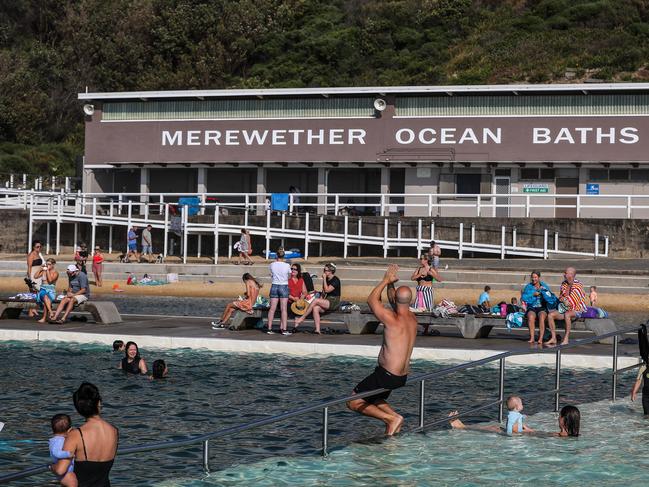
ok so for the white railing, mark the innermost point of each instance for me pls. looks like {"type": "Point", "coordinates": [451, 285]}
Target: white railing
{"type": "Point", "coordinates": [99, 212]}
{"type": "Point", "coordinates": [356, 204]}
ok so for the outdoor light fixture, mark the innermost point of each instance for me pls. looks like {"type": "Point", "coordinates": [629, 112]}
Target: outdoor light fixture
{"type": "Point", "coordinates": [379, 104]}
{"type": "Point", "coordinates": [89, 109]}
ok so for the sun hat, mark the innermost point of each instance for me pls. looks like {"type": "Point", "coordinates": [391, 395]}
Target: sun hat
{"type": "Point", "coordinates": [299, 307]}
{"type": "Point", "coordinates": [72, 268]}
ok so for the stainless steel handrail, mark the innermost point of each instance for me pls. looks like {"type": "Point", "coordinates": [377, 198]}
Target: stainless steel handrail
{"type": "Point", "coordinates": [326, 405]}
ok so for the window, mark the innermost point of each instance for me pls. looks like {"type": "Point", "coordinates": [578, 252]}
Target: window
{"type": "Point", "coordinates": [467, 183]}
{"type": "Point", "coordinates": [640, 175]}
{"type": "Point", "coordinates": [598, 174]}
{"type": "Point", "coordinates": [535, 173]}
{"type": "Point", "coordinates": [618, 174]}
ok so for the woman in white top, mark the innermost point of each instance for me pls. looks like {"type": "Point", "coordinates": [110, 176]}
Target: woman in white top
{"type": "Point", "coordinates": [244, 248]}
{"type": "Point", "coordinates": [280, 273]}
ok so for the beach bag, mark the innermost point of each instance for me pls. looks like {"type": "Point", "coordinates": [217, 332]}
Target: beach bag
{"type": "Point", "coordinates": [308, 282]}
{"type": "Point", "coordinates": [261, 303]}
{"type": "Point", "coordinates": [601, 313]}
{"type": "Point", "coordinates": [514, 320]}
{"type": "Point", "coordinates": [590, 313]}
{"type": "Point", "coordinates": [562, 308]}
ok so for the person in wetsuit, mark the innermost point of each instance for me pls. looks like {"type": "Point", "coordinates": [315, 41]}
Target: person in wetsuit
{"type": "Point", "coordinates": [400, 331]}
{"type": "Point", "coordinates": [94, 445]}
{"type": "Point", "coordinates": [132, 363]}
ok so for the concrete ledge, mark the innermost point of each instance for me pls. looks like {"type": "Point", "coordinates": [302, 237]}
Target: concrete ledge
{"type": "Point", "coordinates": [313, 348]}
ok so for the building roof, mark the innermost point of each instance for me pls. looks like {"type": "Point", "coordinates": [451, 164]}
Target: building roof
{"type": "Point", "coordinates": [515, 89]}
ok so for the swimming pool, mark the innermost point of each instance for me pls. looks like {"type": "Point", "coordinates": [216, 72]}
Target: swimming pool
{"type": "Point", "coordinates": [209, 391]}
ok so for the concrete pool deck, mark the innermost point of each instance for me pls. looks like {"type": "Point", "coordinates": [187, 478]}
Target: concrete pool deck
{"type": "Point", "coordinates": [171, 332]}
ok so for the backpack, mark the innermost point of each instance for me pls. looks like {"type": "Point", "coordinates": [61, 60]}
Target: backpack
{"type": "Point", "coordinates": [308, 282]}
{"type": "Point", "coordinates": [514, 320]}
{"type": "Point", "coordinates": [643, 343]}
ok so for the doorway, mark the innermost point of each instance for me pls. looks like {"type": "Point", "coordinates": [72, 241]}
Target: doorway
{"type": "Point", "coordinates": [566, 186]}
{"type": "Point", "coordinates": [503, 186]}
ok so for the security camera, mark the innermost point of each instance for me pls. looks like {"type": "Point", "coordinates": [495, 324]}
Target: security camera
{"type": "Point", "coordinates": [379, 104]}
{"type": "Point", "coordinates": [88, 109]}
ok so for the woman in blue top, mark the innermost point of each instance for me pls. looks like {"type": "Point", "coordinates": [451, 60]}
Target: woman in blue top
{"type": "Point", "coordinates": [538, 299]}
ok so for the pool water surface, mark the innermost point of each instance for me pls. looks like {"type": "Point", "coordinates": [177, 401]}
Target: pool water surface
{"type": "Point", "coordinates": [209, 391]}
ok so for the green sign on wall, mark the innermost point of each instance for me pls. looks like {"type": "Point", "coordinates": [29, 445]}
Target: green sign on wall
{"type": "Point", "coordinates": [535, 188]}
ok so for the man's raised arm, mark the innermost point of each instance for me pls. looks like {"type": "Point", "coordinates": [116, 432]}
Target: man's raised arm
{"type": "Point", "coordinates": [374, 299]}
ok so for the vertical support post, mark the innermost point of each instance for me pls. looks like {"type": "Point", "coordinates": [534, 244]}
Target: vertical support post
{"type": "Point", "coordinates": [206, 456]}
{"type": "Point", "coordinates": [161, 205]}
{"type": "Point", "coordinates": [345, 236]}
{"type": "Point", "coordinates": [578, 206]}
{"type": "Point", "coordinates": [129, 218]}
{"type": "Point", "coordinates": [185, 220]}
{"type": "Point", "coordinates": [31, 222]}
{"type": "Point", "coordinates": [229, 246]}
{"type": "Point", "coordinates": [430, 206]}
{"type": "Point", "coordinates": [245, 217]}
{"type": "Point", "coordinates": [460, 241]}
{"type": "Point", "coordinates": [306, 236]}
{"type": "Point", "coordinates": [606, 246]}
{"type": "Point", "coordinates": [556, 241]}
{"type": "Point", "coordinates": [325, 431]}
{"type": "Point", "coordinates": [418, 236]}
{"type": "Point", "coordinates": [200, 243]}
{"type": "Point", "coordinates": [477, 206]}
{"type": "Point", "coordinates": [267, 233]}
{"type": "Point", "coordinates": [527, 206]}
{"type": "Point", "coordinates": [290, 203]}
{"type": "Point", "coordinates": [321, 231]}
{"type": "Point", "coordinates": [119, 204]}
{"type": "Point", "coordinates": [217, 216]}
{"type": "Point", "coordinates": [545, 244]}
{"type": "Point", "coordinates": [360, 234]}
{"type": "Point", "coordinates": [628, 207]}
{"type": "Point", "coordinates": [93, 234]}
{"type": "Point", "coordinates": [514, 238]}
{"type": "Point", "coordinates": [432, 230]}
{"type": "Point", "coordinates": [422, 404]}
{"type": "Point", "coordinates": [47, 240]}
{"type": "Point", "coordinates": [382, 205]}
{"type": "Point", "coordinates": [473, 233]}
{"type": "Point", "coordinates": [614, 381]}
{"type": "Point", "coordinates": [59, 209]}
{"type": "Point", "coordinates": [75, 235]}
{"type": "Point", "coordinates": [385, 238]}
{"type": "Point", "coordinates": [596, 245]}
{"type": "Point", "coordinates": [336, 204]}
{"type": "Point", "coordinates": [501, 389]}
{"type": "Point", "coordinates": [557, 379]}
{"type": "Point", "coordinates": [502, 242]}
{"type": "Point", "coordinates": [110, 239]}
{"type": "Point", "coordinates": [398, 238]}
{"type": "Point", "coordinates": [166, 231]}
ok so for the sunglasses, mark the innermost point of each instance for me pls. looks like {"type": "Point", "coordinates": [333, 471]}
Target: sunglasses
{"type": "Point", "coordinates": [293, 269]}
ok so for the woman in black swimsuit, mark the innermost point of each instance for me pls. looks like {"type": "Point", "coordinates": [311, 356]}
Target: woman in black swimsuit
{"type": "Point", "coordinates": [94, 444]}
{"type": "Point", "coordinates": [132, 363]}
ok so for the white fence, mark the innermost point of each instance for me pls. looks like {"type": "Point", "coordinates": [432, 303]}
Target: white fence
{"type": "Point", "coordinates": [357, 204]}
{"type": "Point", "coordinates": [59, 208]}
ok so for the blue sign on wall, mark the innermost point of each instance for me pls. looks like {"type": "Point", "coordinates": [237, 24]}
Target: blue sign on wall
{"type": "Point", "coordinates": [592, 188]}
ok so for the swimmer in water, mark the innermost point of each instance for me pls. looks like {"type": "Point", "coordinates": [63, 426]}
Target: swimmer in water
{"type": "Point", "coordinates": [569, 423]}
{"type": "Point", "coordinates": [159, 369]}
{"type": "Point", "coordinates": [393, 366]}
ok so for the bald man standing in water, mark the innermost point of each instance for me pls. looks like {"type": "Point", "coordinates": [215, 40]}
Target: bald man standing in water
{"type": "Point", "coordinates": [399, 333]}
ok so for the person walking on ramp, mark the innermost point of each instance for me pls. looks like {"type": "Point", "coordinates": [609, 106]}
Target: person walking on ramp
{"type": "Point", "coordinates": [400, 332]}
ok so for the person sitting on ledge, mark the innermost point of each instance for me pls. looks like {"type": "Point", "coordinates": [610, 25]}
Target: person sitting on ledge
{"type": "Point", "coordinates": [78, 292]}
{"type": "Point", "coordinates": [252, 292]}
{"type": "Point", "coordinates": [572, 303]}
{"type": "Point", "coordinates": [329, 301]}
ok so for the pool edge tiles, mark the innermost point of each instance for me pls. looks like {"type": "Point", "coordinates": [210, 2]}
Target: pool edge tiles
{"type": "Point", "coordinates": [311, 349]}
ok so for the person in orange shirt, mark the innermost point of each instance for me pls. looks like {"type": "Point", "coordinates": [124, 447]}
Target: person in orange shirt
{"type": "Point", "coordinates": [98, 265]}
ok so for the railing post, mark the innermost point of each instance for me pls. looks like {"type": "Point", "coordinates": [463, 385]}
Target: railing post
{"type": "Point", "coordinates": [59, 209]}
{"type": "Point", "coordinates": [614, 381]}
{"type": "Point", "coordinates": [336, 204]}
{"type": "Point", "coordinates": [290, 203]}
{"type": "Point", "coordinates": [345, 236]}
{"type": "Point", "coordinates": [166, 232]}
{"type": "Point", "coordinates": [206, 456]}
{"type": "Point", "coordinates": [385, 238]}
{"type": "Point", "coordinates": [514, 238]}
{"type": "Point", "coordinates": [473, 234]}
{"type": "Point", "coordinates": [477, 206]}
{"type": "Point", "coordinates": [306, 236]}
{"type": "Point", "coordinates": [628, 207]}
{"type": "Point", "coordinates": [556, 241]}
{"type": "Point", "coordinates": [596, 245]}
{"type": "Point", "coordinates": [94, 226]}
{"type": "Point", "coordinates": [527, 206]}
{"type": "Point", "coordinates": [382, 202]}
{"type": "Point", "coordinates": [267, 233]}
{"type": "Point", "coordinates": [460, 241]}
{"type": "Point", "coordinates": [557, 379]}
{"type": "Point", "coordinates": [502, 242]}
{"type": "Point", "coordinates": [606, 246]}
{"type": "Point", "coordinates": [325, 430]}
{"type": "Point", "coordinates": [418, 236]}
{"type": "Point", "coordinates": [422, 404]}
{"type": "Point", "coordinates": [430, 205]}
{"type": "Point", "coordinates": [501, 389]}
{"type": "Point", "coordinates": [545, 244]}
{"type": "Point", "coordinates": [399, 238]}
{"type": "Point", "coordinates": [217, 217]}
{"type": "Point", "coordinates": [578, 206]}
{"type": "Point", "coordinates": [185, 220]}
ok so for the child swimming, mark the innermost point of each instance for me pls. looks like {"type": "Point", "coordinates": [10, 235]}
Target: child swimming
{"type": "Point", "coordinates": [569, 423]}
{"type": "Point", "coordinates": [514, 422]}
{"type": "Point", "coordinates": [61, 424]}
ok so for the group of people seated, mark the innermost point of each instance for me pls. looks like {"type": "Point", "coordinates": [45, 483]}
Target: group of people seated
{"type": "Point", "coordinates": [41, 280]}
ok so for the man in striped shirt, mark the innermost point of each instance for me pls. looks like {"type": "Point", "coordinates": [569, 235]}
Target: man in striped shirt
{"type": "Point", "coordinates": [572, 303]}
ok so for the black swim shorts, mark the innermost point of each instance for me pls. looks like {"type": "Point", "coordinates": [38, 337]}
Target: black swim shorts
{"type": "Point", "coordinates": [380, 379]}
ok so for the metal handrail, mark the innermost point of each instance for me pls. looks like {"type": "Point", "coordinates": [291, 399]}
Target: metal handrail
{"type": "Point", "coordinates": [420, 379]}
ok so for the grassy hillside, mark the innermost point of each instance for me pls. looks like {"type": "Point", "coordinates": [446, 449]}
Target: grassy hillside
{"type": "Point", "coordinates": [51, 50]}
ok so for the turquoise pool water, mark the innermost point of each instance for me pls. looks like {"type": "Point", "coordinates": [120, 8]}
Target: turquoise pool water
{"type": "Point", "coordinates": [209, 391]}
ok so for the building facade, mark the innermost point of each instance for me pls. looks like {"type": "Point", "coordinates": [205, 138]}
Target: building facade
{"type": "Point", "coordinates": [539, 145]}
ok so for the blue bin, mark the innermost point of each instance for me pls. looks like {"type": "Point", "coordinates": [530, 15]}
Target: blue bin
{"type": "Point", "coordinates": [193, 205]}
